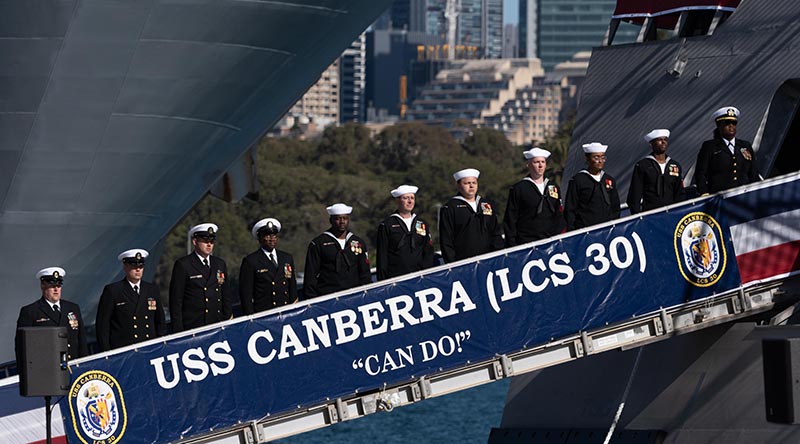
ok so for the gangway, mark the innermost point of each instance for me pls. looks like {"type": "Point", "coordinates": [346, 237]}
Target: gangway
{"type": "Point", "coordinates": [622, 285]}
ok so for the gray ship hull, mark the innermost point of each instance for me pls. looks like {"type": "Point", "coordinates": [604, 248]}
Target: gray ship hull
{"type": "Point", "coordinates": [117, 116]}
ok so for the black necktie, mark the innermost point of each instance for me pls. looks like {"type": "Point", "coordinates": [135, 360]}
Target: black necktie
{"type": "Point", "coordinates": [136, 289]}
{"type": "Point", "coordinates": [57, 311]}
{"type": "Point", "coordinates": [272, 258]}
{"type": "Point", "coordinates": [205, 263]}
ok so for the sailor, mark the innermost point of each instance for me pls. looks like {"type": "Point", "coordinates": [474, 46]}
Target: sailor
{"type": "Point", "coordinates": [592, 196]}
{"type": "Point", "coordinates": [534, 210]}
{"type": "Point", "coordinates": [468, 224]}
{"type": "Point", "coordinates": [404, 240]}
{"type": "Point", "coordinates": [336, 259]}
{"type": "Point", "coordinates": [657, 179]}
{"type": "Point", "coordinates": [198, 292]}
{"type": "Point", "coordinates": [267, 278]}
{"type": "Point", "coordinates": [129, 310]}
{"type": "Point", "coordinates": [725, 161]}
{"type": "Point", "coordinates": [52, 311]}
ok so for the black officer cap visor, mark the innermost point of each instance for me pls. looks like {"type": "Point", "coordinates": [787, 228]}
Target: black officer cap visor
{"type": "Point", "coordinates": [133, 261]}
{"type": "Point", "coordinates": [265, 230]}
{"type": "Point", "coordinates": [52, 280]}
{"type": "Point", "coordinates": [203, 235]}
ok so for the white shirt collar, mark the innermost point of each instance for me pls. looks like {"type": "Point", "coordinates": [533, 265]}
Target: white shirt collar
{"type": "Point", "coordinates": [596, 177]}
{"type": "Point", "coordinates": [201, 258]}
{"type": "Point", "coordinates": [268, 252]}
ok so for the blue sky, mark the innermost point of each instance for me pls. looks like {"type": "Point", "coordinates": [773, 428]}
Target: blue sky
{"type": "Point", "coordinates": [510, 11]}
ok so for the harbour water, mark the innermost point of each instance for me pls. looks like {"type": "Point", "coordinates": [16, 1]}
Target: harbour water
{"type": "Point", "coordinates": [462, 417]}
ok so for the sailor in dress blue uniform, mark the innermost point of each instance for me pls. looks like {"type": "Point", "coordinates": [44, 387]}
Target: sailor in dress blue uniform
{"type": "Point", "coordinates": [129, 310]}
{"type": "Point", "coordinates": [52, 311]}
{"type": "Point", "coordinates": [267, 277]}
{"type": "Point", "coordinates": [657, 179]}
{"type": "Point", "coordinates": [199, 292]}
{"type": "Point", "coordinates": [404, 239]}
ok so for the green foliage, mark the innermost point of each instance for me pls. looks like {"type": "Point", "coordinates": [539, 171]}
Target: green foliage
{"type": "Point", "coordinates": [298, 179]}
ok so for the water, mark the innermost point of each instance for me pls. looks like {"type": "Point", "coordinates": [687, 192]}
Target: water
{"type": "Point", "coordinates": [463, 417]}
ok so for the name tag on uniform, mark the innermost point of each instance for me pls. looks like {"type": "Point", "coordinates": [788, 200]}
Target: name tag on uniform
{"type": "Point", "coordinates": [41, 320]}
{"type": "Point", "coordinates": [121, 303]}
{"type": "Point", "coordinates": [196, 276]}
{"type": "Point", "coordinates": [262, 270]}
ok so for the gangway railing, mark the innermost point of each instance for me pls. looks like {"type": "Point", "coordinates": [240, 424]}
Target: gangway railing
{"type": "Point", "coordinates": [624, 284]}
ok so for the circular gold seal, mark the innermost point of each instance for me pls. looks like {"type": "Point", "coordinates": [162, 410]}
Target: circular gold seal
{"type": "Point", "coordinates": [700, 249]}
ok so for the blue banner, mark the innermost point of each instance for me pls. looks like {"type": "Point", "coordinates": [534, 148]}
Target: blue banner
{"type": "Point", "coordinates": [310, 353]}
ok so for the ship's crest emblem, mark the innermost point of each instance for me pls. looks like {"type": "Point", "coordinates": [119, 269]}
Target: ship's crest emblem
{"type": "Point", "coordinates": [97, 408]}
{"type": "Point", "coordinates": [699, 249]}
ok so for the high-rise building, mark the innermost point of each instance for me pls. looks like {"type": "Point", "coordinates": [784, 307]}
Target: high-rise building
{"type": "Point", "coordinates": [510, 41]}
{"type": "Point", "coordinates": [408, 15]}
{"type": "Point", "coordinates": [479, 24]}
{"type": "Point", "coordinates": [320, 103]}
{"type": "Point", "coordinates": [554, 30]}
{"type": "Point", "coordinates": [391, 55]}
{"type": "Point", "coordinates": [352, 78]}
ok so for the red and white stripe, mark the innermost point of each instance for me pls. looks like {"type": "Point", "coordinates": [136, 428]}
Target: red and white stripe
{"type": "Point", "coordinates": [768, 248]}
{"type": "Point", "coordinates": [28, 427]}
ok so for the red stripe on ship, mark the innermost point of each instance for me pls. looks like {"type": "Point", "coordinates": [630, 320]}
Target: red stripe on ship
{"type": "Point", "coordinates": [768, 262]}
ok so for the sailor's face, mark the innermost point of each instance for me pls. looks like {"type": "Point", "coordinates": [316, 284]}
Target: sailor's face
{"type": "Point", "coordinates": [340, 222]}
{"type": "Point", "coordinates": [51, 291]}
{"type": "Point", "coordinates": [659, 145]}
{"type": "Point", "coordinates": [727, 129]}
{"type": "Point", "coordinates": [269, 241]}
{"type": "Point", "coordinates": [468, 187]}
{"type": "Point", "coordinates": [203, 245]}
{"type": "Point", "coordinates": [405, 203]}
{"type": "Point", "coordinates": [596, 162]}
{"type": "Point", "coordinates": [133, 272]}
{"type": "Point", "coordinates": [536, 167]}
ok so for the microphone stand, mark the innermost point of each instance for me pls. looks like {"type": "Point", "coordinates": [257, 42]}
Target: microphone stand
{"type": "Point", "coordinates": [47, 419]}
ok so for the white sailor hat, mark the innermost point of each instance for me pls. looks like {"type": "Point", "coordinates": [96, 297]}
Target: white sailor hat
{"type": "Point", "coordinates": [133, 256]}
{"type": "Point", "coordinates": [594, 147]}
{"type": "Point", "coordinates": [51, 274]}
{"type": "Point", "coordinates": [535, 152]}
{"type": "Point", "coordinates": [266, 226]}
{"type": "Point", "coordinates": [726, 113]}
{"type": "Point", "coordinates": [204, 230]}
{"type": "Point", "coordinates": [469, 172]}
{"type": "Point", "coordinates": [655, 134]}
{"type": "Point", "coordinates": [339, 209]}
{"type": "Point", "coordinates": [404, 189]}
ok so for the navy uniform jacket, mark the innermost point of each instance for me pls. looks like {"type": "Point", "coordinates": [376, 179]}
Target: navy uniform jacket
{"type": "Point", "coordinates": [590, 202]}
{"type": "Point", "coordinates": [717, 169]}
{"type": "Point", "coordinates": [401, 251]}
{"type": "Point", "coordinates": [464, 232]}
{"type": "Point", "coordinates": [198, 295]}
{"type": "Point", "coordinates": [39, 314]}
{"type": "Point", "coordinates": [263, 285]}
{"type": "Point", "coordinates": [125, 317]}
{"type": "Point", "coordinates": [330, 268]}
{"type": "Point", "coordinates": [650, 188]}
{"type": "Point", "coordinates": [531, 215]}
